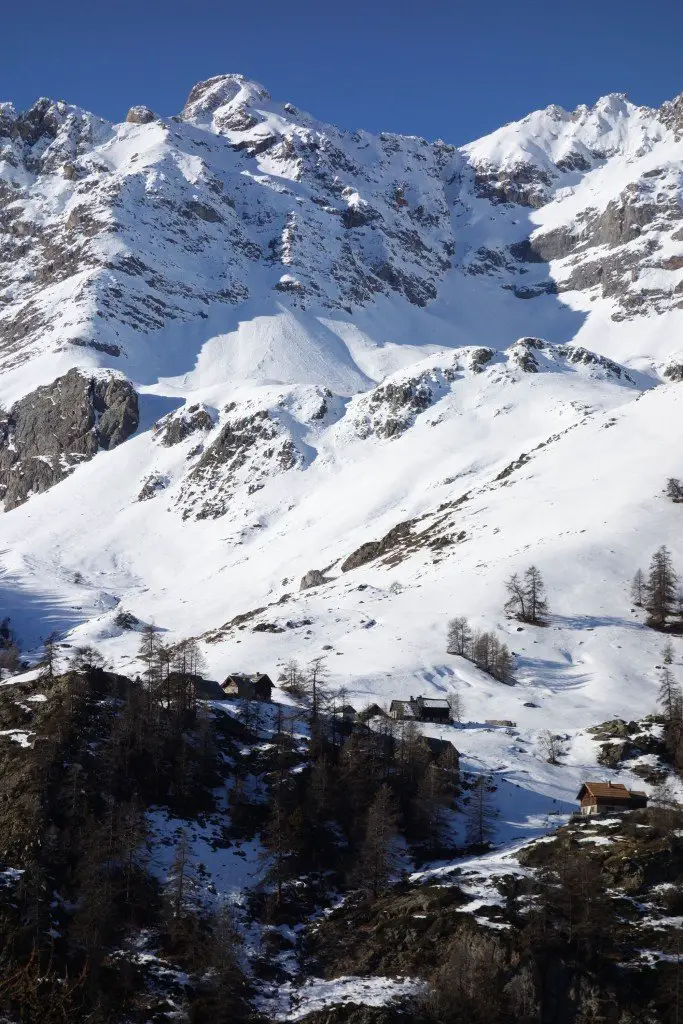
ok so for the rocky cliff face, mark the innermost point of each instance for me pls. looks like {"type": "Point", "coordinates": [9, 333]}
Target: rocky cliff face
{"type": "Point", "coordinates": [52, 430]}
{"type": "Point", "coordinates": [134, 245]}
{"type": "Point", "coordinates": [256, 200]}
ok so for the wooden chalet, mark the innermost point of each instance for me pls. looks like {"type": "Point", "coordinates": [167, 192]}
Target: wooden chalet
{"type": "Point", "coordinates": [254, 686]}
{"type": "Point", "coordinates": [431, 709]}
{"type": "Point", "coordinates": [443, 751]}
{"type": "Point", "coordinates": [371, 711]}
{"type": "Point", "coordinates": [421, 709]}
{"type": "Point", "coordinates": [608, 797]}
{"type": "Point", "coordinates": [403, 709]}
{"type": "Point", "coordinates": [347, 712]}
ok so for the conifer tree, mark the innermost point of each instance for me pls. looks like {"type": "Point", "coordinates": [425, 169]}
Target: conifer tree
{"type": "Point", "coordinates": [456, 705]}
{"type": "Point", "coordinates": [515, 606]}
{"type": "Point", "coordinates": [459, 636]}
{"type": "Point", "coordinates": [661, 589]}
{"type": "Point", "coordinates": [48, 664]}
{"type": "Point", "coordinates": [527, 599]}
{"type": "Point", "coordinates": [480, 814]}
{"type": "Point", "coordinates": [315, 686]}
{"type": "Point", "coordinates": [182, 889]}
{"type": "Point", "coordinates": [674, 489]}
{"type": "Point", "coordinates": [669, 696]}
{"type": "Point", "coordinates": [638, 588]}
{"type": "Point", "coordinates": [375, 857]}
{"type": "Point", "coordinates": [148, 653]}
{"type": "Point", "coordinates": [536, 601]}
{"type": "Point", "coordinates": [292, 679]}
{"type": "Point", "coordinates": [85, 658]}
{"type": "Point", "coordinates": [430, 800]}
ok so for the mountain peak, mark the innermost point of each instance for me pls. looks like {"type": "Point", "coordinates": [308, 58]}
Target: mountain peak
{"type": "Point", "coordinates": [219, 92]}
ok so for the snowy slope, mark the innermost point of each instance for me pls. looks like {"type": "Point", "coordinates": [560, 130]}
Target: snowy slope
{"type": "Point", "coordinates": [323, 329]}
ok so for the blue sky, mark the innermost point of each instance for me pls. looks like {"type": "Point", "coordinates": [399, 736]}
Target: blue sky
{"type": "Point", "coordinates": [436, 68]}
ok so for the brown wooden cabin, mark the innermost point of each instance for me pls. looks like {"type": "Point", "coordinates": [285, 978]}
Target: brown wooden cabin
{"type": "Point", "coordinates": [608, 797]}
{"type": "Point", "coordinates": [433, 709]}
{"type": "Point", "coordinates": [403, 709]}
{"type": "Point", "coordinates": [371, 711]}
{"type": "Point", "coordinates": [443, 751]}
{"type": "Point", "coordinates": [421, 709]}
{"type": "Point", "coordinates": [254, 686]}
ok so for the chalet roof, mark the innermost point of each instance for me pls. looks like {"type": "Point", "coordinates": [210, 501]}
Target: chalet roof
{"type": "Point", "coordinates": [403, 705]}
{"type": "Point", "coordinates": [372, 711]}
{"type": "Point", "coordinates": [434, 702]}
{"type": "Point", "coordinates": [248, 677]}
{"type": "Point", "coordinates": [612, 792]}
{"type": "Point", "coordinates": [438, 746]}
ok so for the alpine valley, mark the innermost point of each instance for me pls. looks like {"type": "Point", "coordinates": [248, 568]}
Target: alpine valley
{"type": "Point", "coordinates": [300, 393]}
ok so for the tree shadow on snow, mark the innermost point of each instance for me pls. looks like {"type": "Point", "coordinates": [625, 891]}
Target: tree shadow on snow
{"type": "Point", "coordinates": [591, 622]}
{"type": "Point", "coordinates": [34, 615]}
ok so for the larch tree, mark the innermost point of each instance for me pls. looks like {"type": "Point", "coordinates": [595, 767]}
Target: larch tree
{"type": "Point", "coordinates": [84, 659]}
{"type": "Point", "coordinates": [10, 654]}
{"type": "Point", "coordinates": [292, 678]}
{"type": "Point", "coordinates": [380, 829]}
{"type": "Point", "coordinates": [315, 685]}
{"type": "Point", "coordinates": [48, 665]}
{"type": "Point", "coordinates": [182, 886]}
{"type": "Point", "coordinates": [148, 653]}
{"type": "Point", "coordinates": [515, 606]}
{"type": "Point", "coordinates": [638, 587]}
{"type": "Point", "coordinates": [669, 694]}
{"type": "Point", "coordinates": [674, 489]}
{"type": "Point", "coordinates": [527, 600]}
{"type": "Point", "coordinates": [480, 814]}
{"type": "Point", "coordinates": [459, 636]}
{"type": "Point", "coordinates": [661, 589]}
{"type": "Point", "coordinates": [456, 705]}
{"type": "Point", "coordinates": [536, 600]}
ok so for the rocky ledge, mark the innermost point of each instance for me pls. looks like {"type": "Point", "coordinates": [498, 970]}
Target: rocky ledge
{"type": "Point", "coordinates": [50, 431]}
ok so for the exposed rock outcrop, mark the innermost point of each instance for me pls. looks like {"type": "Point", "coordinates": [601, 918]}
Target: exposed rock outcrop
{"type": "Point", "coordinates": [372, 549]}
{"type": "Point", "coordinates": [178, 426]}
{"type": "Point", "coordinates": [50, 431]}
{"type": "Point", "coordinates": [154, 484]}
{"type": "Point", "coordinates": [251, 447]}
{"type": "Point", "coordinates": [313, 578]}
{"type": "Point", "coordinates": [140, 115]}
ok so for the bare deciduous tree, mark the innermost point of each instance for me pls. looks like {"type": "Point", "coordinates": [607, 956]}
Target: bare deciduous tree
{"type": "Point", "coordinates": [457, 706]}
{"type": "Point", "coordinates": [550, 746]}
{"type": "Point", "coordinates": [459, 636]}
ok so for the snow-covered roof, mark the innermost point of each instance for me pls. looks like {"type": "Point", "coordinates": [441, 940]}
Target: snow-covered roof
{"type": "Point", "coordinates": [434, 702]}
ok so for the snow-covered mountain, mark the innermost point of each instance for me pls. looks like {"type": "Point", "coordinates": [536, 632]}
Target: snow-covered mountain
{"type": "Point", "coordinates": [240, 344]}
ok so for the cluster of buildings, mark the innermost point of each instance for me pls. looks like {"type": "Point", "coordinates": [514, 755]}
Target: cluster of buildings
{"type": "Point", "coordinates": [595, 798]}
